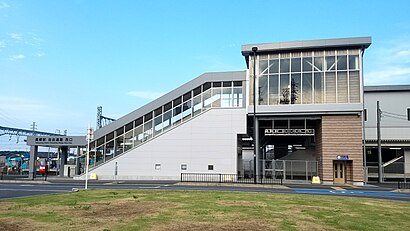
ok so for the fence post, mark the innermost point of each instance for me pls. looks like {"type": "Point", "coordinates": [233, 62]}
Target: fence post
{"type": "Point", "coordinates": [181, 176]}
{"type": "Point", "coordinates": [220, 178]}
{"type": "Point", "coordinates": [307, 171]}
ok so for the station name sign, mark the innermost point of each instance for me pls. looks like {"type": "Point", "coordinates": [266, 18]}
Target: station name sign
{"type": "Point", "coordinates": [73, 141]}
{"type": "Point", "coordinates": [54, 140]}
{"type": "Point", "coordinates": [289, 132]}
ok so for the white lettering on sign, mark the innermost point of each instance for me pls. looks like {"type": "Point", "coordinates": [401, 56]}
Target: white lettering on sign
{"type": "Point", "coordinates": [289, 132]}
{"type": "Point", "coordinates": [54, 140]}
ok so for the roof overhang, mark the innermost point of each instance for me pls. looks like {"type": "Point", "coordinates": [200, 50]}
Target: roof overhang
{"type": "Point", "coordinates": [356, 42]}
{"type": "Point", "coordinates": [386, 88]}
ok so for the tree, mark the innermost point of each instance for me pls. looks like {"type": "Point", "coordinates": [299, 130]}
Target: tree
{"type": "Point", "coordinates": [293, 96]}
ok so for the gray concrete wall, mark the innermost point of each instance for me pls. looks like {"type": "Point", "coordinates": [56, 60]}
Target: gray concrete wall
{"type": "Point", "coordinates": [209, 139]}
{"type": "Point", "coordinates": [308, 155]}
{"type": "Point", "coordinates": [407, 161]}
{"type": "Point", "coordinates": [391, 128]}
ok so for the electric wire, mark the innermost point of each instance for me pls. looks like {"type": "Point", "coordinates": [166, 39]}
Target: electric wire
{"type": "Point", "coordinates": [395, 114]}
{"type": "Point", "coordinates": [394, 117]}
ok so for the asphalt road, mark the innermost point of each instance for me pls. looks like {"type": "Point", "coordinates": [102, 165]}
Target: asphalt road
{"type": "Point", "coordinates": [24, 189]}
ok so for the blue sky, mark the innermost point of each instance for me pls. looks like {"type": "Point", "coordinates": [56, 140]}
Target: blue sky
{"type": "Point", "coordinates": [59, 60]}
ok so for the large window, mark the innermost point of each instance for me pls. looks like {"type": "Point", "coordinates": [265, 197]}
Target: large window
{"type": "Point", "coordinates": [311, 77]}
{"type": "Point", "coordinates": [228, 94]}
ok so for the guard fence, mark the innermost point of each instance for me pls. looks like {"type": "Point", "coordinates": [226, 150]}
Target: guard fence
{"type": "Point", "coordinates": [403, 185]}
{"type": "Point", "coordinates": [227, 178]}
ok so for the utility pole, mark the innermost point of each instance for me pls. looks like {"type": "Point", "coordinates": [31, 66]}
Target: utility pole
{"type": "Point", "coordinates": [87, 164]}
{"type": "Point", "coordinates": [379, 143]}
{"type": "Point", "coordinates": [255, 142]}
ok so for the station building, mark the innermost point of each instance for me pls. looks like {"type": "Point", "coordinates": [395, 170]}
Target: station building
{"type": "Point", "coordinates": [394, 104]}
{"type": "Point", "coordinates": [309, 120]}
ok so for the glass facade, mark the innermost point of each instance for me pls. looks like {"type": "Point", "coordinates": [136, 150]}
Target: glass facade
{"type": "Point", "coordinates": [209, 95]}
{"type": "Point", "coordinates": [307, 77]}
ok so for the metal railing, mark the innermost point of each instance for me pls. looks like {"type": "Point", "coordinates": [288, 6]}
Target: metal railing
{"type": "Point", "coordinates": [298, 170]}
{"type": "Point", "coordinates": [403, 185]}
{"type": "Point", "coordinates": [227, 178]}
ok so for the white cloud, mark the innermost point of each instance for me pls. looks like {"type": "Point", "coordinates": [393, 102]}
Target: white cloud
{"type": "Point", "coordinates": [214, 63]}
{"type": "Point", "coordinates": [389, 76]}
{"type": "Point", "coordinates": [4, 5]}
{"type": "Point", "coordinates": [150, 95]}
{"type": "Point", "coordinates": [28, 43]}
{"type": "Point", "coordinates": [16, 57]}
{"type": "Point", "coordinates": [16, 36]}
{"type": "Point", "coordinates": [389, 63]}
{"type": "Point", "coordinates": [404, 54]}
{"type": "Point", "coordinates": [15, 105]}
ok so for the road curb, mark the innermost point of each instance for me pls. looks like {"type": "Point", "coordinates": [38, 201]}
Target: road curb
{"type": "Point", "coordinates": [232, 185]}
{"type": "Point", "coordinates": [402, 190]}
{"type": "Point", "coordinates": [25, 181]}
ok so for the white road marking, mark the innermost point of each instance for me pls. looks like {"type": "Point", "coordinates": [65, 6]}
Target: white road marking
{"type": "Point", "coordinates": [150, 187]}
{"type": "Point", "coordinates": [35, 190]}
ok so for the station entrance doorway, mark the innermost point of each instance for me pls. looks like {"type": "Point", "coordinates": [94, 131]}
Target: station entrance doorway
{"type": "Point", "coordinates": [286, 148]}
{"type": "Point", "coordinates": [63, 143]}
{"type": "Point", "coordinates": [339, 172]}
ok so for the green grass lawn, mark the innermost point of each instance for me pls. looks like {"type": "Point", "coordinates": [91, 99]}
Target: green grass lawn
{"type": "Point", "coordinates": [200, 210]}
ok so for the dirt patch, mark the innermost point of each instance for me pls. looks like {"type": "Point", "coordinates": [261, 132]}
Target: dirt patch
{"type": "Point", "coordinates": [11, 224]}
{"type": "Point", "coordinates": [381, 204]}
{"type": "Point", "coordinates": [311, 225]}
{"type": "Point", "coordinates": [6, 207]}
{"type": "Point", "coordinates": [303, 208]}
{"type": "Point", "coordinates": [297, 213]}
{"type": "Point", "coordinates": [122, 209]}
{"type": "Point", "coordinates": [241, 203]}
{"type": "Point", "coordinates": [235, 225]}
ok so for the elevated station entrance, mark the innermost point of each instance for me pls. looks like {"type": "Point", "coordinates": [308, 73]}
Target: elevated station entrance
{"type": "Point", "coordinates": [64, 143]}
{"type": "Point", "coordinates": [288, 147]}
{"type": "Point", "coordinates": [298, 148]}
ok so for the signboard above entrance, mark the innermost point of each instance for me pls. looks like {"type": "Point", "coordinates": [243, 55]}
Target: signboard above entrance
{"type": "Point", "coordinates": [289, 132]}
{"type": "Point", "coordinates": [342, 157]}
{"type": "Point", "coordinates": [56, 141]}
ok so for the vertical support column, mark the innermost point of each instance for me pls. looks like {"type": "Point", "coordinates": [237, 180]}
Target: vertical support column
{"type": "Point", "coordinates": [307, 171]}
{"type": "Point", "coordinates": [33, 162]}
{"type": "Point", "coordinates": [77, 162]}
{"type": "Point", "coordinates": [115, 142]}
{"type": "Point", "coordinates": [257, 148]}
{"type": "Point", "coordinates": [407, 162]}
{"type": "Point", "coordinates": [63, 160]}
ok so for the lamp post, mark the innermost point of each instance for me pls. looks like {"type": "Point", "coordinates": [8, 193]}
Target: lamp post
{"type": "Point", "coordinates": [254, 50]}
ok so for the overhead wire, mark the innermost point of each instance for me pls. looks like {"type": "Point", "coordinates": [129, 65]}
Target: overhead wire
{"type": "Point", "coordinates": [395, 114]}
{"type": "Point", "coordinates": [394, 117]}
{"type": "Point", "coordinates": [11, 120]}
